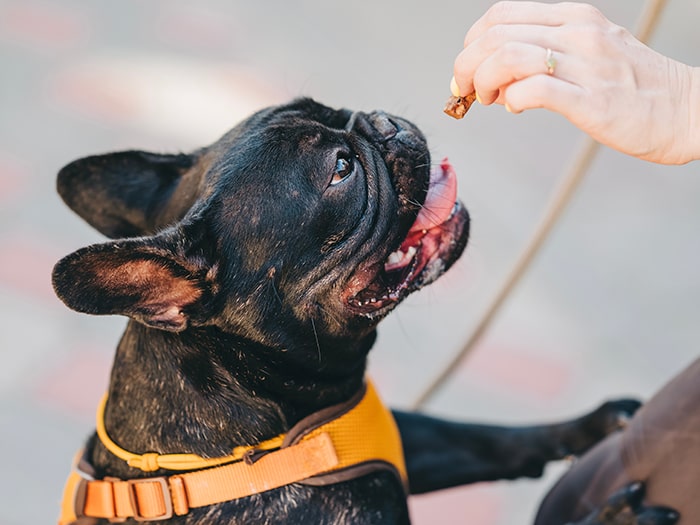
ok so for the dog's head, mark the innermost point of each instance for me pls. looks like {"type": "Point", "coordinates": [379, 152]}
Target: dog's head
{"type": "Point", "coordinates": [301, 214]}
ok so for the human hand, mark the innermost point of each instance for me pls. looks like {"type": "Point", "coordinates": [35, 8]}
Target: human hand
{"type": "Point", "coordinates": [606, 82]}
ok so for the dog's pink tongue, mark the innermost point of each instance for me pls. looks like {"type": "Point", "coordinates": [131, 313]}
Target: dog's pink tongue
{"type": "Point", "coordinates": [441, 198]}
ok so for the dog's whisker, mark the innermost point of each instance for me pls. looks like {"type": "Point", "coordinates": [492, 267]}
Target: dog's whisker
{"type": "Point", "coordinates": [423, 208]}
{"type": "Point", "coordinates": [318, 345]}
{"type": "Point", "coordinates": [273, 285]}
{"type": "Point", "coordinates": [330, 314]}
{"type": "Point", "coordinates": [414, 202]}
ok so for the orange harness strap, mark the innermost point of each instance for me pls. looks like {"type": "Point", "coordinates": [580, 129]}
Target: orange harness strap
{"type": "Point", "coordinates": [326, 447]}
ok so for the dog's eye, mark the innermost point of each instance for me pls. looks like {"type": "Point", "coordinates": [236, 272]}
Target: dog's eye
{"type": "Point", "coordinates": [343, 168]}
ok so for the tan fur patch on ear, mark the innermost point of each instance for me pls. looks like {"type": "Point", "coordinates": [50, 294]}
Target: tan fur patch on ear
{"type": "Point", "coordinates": [155, 282]}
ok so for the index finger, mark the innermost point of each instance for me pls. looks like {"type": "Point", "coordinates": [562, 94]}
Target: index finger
{"type": "Point", "coordinates": [530, 13]}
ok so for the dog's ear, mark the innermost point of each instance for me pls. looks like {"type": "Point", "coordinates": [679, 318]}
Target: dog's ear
{"type": "Point", "coordinates": [130, 193]}
{"type": "Point", "coordinates": [137, 278]}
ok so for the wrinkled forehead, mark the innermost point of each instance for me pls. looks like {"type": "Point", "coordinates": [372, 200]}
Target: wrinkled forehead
{"type": "Point", "coordinates": [301, 121]}
{"type": "Point", "coordinates": [278, 144]}
{"type": "Point", "coordinates": [311, 111]}
{"type": "Point", "coordinates": [304, 126]}
{"type": "Point", "coordinates": [279, 134]}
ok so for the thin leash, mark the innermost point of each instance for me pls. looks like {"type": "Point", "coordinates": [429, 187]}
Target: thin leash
{"type": "Point", "coordinates": [579, 166]}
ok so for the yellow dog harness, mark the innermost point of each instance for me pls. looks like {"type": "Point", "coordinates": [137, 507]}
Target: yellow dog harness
{"type": "Point", "coordinates": [335, 444]}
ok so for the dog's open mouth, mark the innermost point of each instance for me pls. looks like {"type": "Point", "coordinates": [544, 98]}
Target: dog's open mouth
{"type": "Point", "coordinates": [434, 241]}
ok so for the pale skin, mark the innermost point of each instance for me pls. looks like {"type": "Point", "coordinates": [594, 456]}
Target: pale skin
{"type": "Point", "coordinates": [607, 83]}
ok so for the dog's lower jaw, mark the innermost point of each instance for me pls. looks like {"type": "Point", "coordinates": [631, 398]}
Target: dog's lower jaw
{"type": "Point", "coordinates": [375, 291]}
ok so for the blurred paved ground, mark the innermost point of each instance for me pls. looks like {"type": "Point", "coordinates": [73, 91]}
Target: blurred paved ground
{"type": "Point", "coordinates": [611, 306]}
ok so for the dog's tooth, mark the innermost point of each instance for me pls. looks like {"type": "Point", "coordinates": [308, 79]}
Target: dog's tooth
{"type": "Point", "coordinates": [395, 258]}
{"type": "Point", "coordinates": [399, 259]}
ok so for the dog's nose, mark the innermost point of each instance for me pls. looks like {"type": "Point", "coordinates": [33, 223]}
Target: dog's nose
{"type": "Point", "coordinates": [383, 124]}
{"type": "Point", "coordinates": [376, 123]}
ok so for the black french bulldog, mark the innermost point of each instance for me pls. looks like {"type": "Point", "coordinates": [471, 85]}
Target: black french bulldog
{"type": "Point", "coordinates": [255, 272]}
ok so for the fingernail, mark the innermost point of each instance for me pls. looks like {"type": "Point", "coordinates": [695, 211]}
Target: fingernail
{"type": "Point", "coordinates": [454, 88]}
{"type": "Point", "coordinates": [478, 98]}
{"type": "Point", "coordinates": [508, 108]}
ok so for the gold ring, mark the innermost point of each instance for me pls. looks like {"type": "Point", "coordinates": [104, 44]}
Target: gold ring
{"type": "Point", "coordinates": [550, 62]}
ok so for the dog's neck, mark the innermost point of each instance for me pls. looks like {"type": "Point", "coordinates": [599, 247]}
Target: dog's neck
{"type": "Point", "coordinates": [205, 392]}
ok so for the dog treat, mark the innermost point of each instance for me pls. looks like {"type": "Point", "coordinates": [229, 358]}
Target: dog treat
{"type": "Point", "coordinates": [457, 107]}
